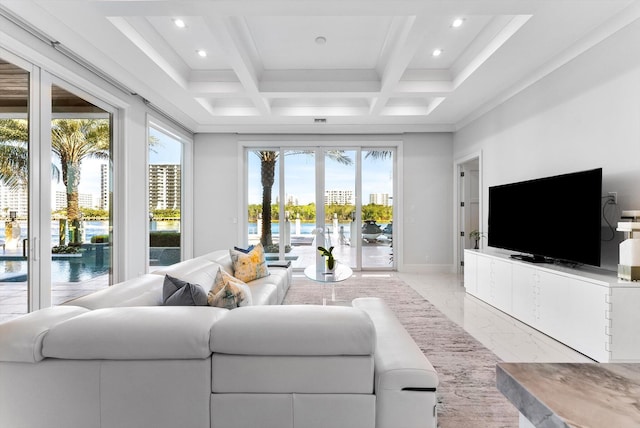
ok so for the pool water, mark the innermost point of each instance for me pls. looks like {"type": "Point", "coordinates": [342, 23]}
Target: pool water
{"type": "Point", "coordinates": [76, 269]}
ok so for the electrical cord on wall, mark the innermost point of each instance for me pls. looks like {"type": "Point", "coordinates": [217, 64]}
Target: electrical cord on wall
{"type": "Point", "coordinates": [609, 201]}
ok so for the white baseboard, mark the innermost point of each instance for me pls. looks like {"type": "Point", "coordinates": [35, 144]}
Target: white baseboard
{"type": "Point", "coordinates": [418, 268]}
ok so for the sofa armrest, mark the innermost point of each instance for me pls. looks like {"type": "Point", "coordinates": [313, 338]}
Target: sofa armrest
{"type": "Point", "coordinates": [400, 364]}
{"type": "Point", "coordinates": [21, 338]}
{"type": "Point", "coordinates": [405, 381]}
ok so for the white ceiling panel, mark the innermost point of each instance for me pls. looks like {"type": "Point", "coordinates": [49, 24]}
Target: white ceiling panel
{"type": "Point", "coordinates": [289, 42]}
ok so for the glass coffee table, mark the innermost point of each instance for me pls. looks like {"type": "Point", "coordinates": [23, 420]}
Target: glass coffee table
{"type": "Point", "coordinates": [340, 273]}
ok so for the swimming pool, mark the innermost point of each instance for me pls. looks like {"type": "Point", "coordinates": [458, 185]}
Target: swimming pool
{"type": "Point", "coordinates": [72, 269]}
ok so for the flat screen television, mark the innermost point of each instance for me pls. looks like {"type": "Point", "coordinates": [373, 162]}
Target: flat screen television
{"type": "Point", "coordinates": [555, 218]}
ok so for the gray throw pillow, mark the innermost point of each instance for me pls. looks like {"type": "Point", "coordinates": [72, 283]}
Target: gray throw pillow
{"type": "Point", "coordinates": [176, 292]}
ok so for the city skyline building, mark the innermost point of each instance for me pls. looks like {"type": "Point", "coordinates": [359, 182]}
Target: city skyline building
{"type": "Point", "coordinates": [85, 200]}
{"type": "Point", "coordinates": [104, 187]}
{"type": "Point", "coordinates": [379, 199]}
{"type": "Point", "coordinates": [338, 197]}
{"type": "Point", "coordinates": [164, 186]}
{"type": "Point", "coordinates": [14, 199]}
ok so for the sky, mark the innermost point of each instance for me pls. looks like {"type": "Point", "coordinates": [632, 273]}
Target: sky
{"type": "Point", "coordinates": [166, 151]}
{"type": "Point", "coordinates": [377, 177]}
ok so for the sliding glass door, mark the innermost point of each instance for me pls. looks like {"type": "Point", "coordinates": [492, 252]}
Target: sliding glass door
{"type": "Point", "coordinates": [56, 221]}
{"type": "Point", "coordinates": [15, 156]}
{"type": "Point", "coordinates": [303, 197]}
{"type": "Point", "coordinates": [377, 208]}
{"type": "Point", "coordinates": [81, 219]}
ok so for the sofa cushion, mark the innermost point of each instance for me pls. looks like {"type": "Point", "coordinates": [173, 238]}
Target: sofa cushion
{"type": "Point", "coordinates": [220, 257]}
{"type": "Point", "coordinates": [294, 330]}
{"type": "Point", "coordinates": [263, 294]}
{"type": "Point", "coordinates": [136, 333]}
{"type": "Point", "coordinates": [249, 266]}
{"type": "Point", "coordinates": [349, 374]}
{"type": "Point", "coordinates": [21, 338]}
{"type": "Point", "coordinates": [228, 292]}
{"type": "Point", "coordinates": [198, 271]}
{"type": "Point", "coordinates": [145, 290]}
{"type": "Point", "coordinates": [279, 278]}
{"type": "Point", "coordinates": [176, 292]}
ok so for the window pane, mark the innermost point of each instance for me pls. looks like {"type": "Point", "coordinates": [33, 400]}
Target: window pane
{"type": "Point", "coordinates": [14, 196]}
{"type": "Point", "coordinates": [81, 223]}
{"type": "Point", "coordinates": [165, 198]}
{"type": "Point", "coordinates": [263, 200]}
{"type": "Point", "coordinates": [377, 208]}
{"type": "Point", "coordinates": [300, 207]}
{"type": "Point", "coordinates": [340, 204]}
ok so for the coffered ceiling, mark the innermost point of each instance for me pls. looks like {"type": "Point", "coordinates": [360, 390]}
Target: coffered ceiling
{"type": "Point", "coordinates": [325, 66]}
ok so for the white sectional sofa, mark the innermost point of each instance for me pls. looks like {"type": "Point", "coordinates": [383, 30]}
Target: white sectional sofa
{"type": "Point", "coordinates": [118, 358]}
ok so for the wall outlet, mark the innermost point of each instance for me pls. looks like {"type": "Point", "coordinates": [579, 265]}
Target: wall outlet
{"type": "Point", "coordinates": [614, 197]}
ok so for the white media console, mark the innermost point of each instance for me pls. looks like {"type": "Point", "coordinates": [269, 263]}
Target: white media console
{"type": "Point", "coordinates": [592, 311]}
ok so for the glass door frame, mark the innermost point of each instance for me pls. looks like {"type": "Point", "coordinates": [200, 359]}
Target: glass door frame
{"type": "Point", "coordinates": [43, 243]}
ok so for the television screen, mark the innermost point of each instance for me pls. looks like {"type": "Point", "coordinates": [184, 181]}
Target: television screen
{"type": "Point", "coordinates": [554, 217]}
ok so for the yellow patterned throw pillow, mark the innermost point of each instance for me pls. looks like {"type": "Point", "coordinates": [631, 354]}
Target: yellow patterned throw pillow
{"type": "Point", "coordinates": [249, 266]}
{"type": "Point", "coordinates": [228, 292]}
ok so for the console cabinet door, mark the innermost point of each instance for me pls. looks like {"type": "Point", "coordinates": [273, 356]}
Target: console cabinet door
{"type": "Point", "coordinates": [494, 282]}
{"type": "Point", "coordinates": [524, 298]}
{"type": "Point", "coordinates": [501, 285]}
{"type": "Point", "coordinates": [470, 273]}
{"type": "Point", "coordinates": [483, 286]}
{"type": "Point", "coordinates": [553, 306]}
{"type": "Point", "coordinates": [587, 313]}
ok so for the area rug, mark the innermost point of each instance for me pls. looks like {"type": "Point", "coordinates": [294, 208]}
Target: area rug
{"type": "Point", "coordinates": [467, 395]}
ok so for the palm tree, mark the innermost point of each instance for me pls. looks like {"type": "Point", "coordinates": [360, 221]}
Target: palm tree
{"type": "Point", "coordinates": [268, 159]}
{"type": "Point", "coordinates": [14, 160]}
{"type": "Point", "coordinates": [74, 140]}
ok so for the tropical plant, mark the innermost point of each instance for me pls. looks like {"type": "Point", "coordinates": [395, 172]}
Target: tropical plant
{"type": "Point", "coordinates": [331, 261]}
{"type": "Point", "coordinates": [72, 140]}
{"type": "Point", "coordinates": [14, 154]}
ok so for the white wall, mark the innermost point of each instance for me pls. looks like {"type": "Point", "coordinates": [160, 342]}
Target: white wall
{"type": "Point", "coordinates": [216, 219]}
{"type": "Point", "coordinates": [427, 202]}
{"type": "Point", "coordinates": [426, 173]}
{"type": "Point", "coordinates": [584, 115]}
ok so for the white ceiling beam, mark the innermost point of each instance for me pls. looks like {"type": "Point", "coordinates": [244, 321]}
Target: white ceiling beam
{"type": "Point", "coordinates": [500, 39]}
{"type": "Point", "coordinates": [177, 73]}
{"type": "Point", "coordinates": [240, 58]}
{"type": "Point", "coordinates": [409, 38]}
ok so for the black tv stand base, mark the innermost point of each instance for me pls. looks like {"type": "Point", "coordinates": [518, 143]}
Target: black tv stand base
{"type": "Point", "coordinates": [531, 259]}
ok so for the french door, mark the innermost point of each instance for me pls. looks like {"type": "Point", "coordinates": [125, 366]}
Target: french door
{"type": "Point", "coordinates": [55, 190]}
{"type": "Point", "coordinates": [299, 198]}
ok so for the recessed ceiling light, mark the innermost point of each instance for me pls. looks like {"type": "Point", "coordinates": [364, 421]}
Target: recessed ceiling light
{"type": "Point", "coordinates": [202, 53]}
{"type": "Point", "coordinates": [457, 22]}
{"type": "Point", "coordinates": [179, 23]}
{"type": "Point", "coordinates": [437, 52]}
{"type": "Point", "coordinates": [321, 40]}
